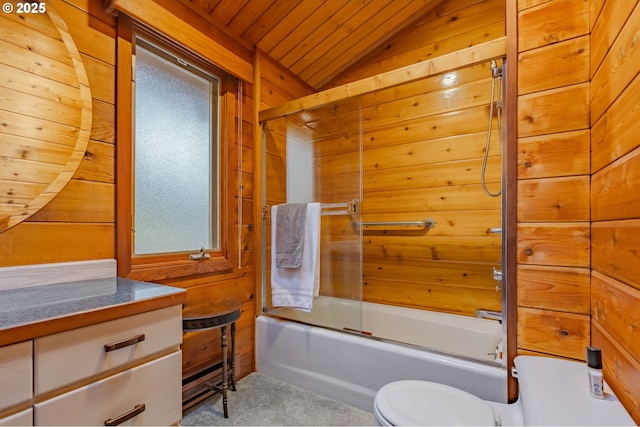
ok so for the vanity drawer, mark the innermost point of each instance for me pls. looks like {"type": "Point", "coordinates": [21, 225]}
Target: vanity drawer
{"type": "Point", "coordinates": [71, 356]}
{"type": "Point", "coordinates": [154, 387]}
{"type": "Point", "coordinates": [22, 418]}
{"type": "Point", "coordinates": [16, 373]}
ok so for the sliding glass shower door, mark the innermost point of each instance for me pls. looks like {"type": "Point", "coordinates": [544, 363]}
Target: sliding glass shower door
{"type": "Point", "coordinates": [316, 156]}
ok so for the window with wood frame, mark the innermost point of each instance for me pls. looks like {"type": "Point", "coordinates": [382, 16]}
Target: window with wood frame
{"type": "Point", "coordinates": [171, 161]}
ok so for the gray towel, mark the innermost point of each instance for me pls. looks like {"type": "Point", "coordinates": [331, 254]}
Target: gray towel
{"type": "Point", "coordinates": [290, 228]}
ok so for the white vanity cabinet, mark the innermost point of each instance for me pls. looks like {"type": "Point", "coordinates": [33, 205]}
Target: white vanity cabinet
{"type": "Point", "coordinates": [16, 370]}
{"type": "Point", "coordinates": [124, 371]}
{"type": "Point", "coordinates": [81, 346]}
{"type": "Point", "coordinates": [21, 418]}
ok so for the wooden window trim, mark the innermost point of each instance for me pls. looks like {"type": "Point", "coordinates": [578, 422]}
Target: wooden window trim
{"type": "Point", "coordinates": [159, 267]}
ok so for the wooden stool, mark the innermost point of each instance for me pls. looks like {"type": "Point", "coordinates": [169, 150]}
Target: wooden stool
{"type": "Point", "coordinates": [217, 315]}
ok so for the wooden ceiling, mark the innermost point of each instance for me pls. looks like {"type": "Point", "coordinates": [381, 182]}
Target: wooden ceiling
{"type": "Point", "coordinates": [314, 39]}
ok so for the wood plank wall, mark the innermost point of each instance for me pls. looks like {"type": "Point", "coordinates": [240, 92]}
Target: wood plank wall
{"type": "Point", "coordinates": [577, 280]}
{"type": "Point", "coordinates": [553, 178]}
{"type": "Point", "coordinates": [423, 155]}
{"type": "Point", "coordinates": [615, 195]}
{"type": "Point", "coordinates": [79, 224]}
{"type": "Point", "coordinates": [423, 152]}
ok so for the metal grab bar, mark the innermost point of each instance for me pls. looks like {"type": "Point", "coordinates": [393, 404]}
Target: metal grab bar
{"type": "Point", "coordinates": [427, 223]}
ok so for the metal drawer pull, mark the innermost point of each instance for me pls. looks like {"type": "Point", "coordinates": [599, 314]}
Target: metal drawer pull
{"type": "Point", "coordinates": [138, 409]}
{"type": "Point", "coordinates": [125, 343]}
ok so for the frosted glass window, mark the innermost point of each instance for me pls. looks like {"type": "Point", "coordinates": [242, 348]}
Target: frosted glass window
{"type": "Point", "coordinates": [175, 155]}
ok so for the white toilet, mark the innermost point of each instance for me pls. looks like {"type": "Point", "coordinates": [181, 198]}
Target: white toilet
{"type": "Point", "coordinates": [552, 392]}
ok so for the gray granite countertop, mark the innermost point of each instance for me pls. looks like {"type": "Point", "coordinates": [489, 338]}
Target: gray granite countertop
{"type": "Point", "coordinates": [42, 303]}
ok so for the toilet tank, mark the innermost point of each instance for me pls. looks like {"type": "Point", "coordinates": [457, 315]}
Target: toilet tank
{"type": "Point", "coordinates": [556, 392]}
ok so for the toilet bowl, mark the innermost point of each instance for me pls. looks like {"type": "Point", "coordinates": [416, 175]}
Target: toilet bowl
{"type": "Point", "coordinates": [552, 392]}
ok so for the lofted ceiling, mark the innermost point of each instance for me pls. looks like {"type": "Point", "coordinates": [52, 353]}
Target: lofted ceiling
{"type": "Point", "coordinates": [314, 39]}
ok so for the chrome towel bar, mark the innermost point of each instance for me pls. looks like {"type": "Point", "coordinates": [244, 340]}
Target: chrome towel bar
{"type": "Point", "coordinates": [327, 209]}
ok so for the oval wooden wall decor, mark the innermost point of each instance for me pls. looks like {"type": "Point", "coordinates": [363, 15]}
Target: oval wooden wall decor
{"type": "Point", "coordinates": [45, 109]}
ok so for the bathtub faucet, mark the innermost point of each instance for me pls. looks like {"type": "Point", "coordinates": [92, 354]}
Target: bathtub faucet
{"type": "Point", "coordinates": [489, 314]}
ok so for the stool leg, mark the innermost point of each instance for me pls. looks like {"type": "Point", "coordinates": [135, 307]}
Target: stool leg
{"type": "Point", "coordinates": [223, 345]}
{"type": "Point", "coordinates": [233, 356]}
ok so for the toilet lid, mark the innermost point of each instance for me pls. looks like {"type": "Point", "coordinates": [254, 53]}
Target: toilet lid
{"type": "Point", "coordinates": [414, 402]}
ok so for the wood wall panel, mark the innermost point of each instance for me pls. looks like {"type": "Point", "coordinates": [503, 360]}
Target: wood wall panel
{"type": "Point", "coordinates": [606, 27]}
{"type": "Point", "coordinates": [549, 243]}
{"type": "Point", "coordinates": [553, 208]}
{"type": "Point", "coordinates": [402, 245]}
{"type": "Point", "coordinates": [614, 308]}
{"type": "Point", "coordinates": [618, 67]}
{"type": "Point", "coordinates": [80, 201]}
{"type": "Point", "coordinates": [99, 163]}
{"type": "Point", "coordinates": [92, 29]}
{"type": "Point", "coordinates": [617, 189]}
{"type": "Point", "coordinates": [615, 134]}
{"type": "Point", "coordinates": [50, 242]}
{"type": "Point", "coordinates": [103, 124]}
{"type": "Point", "coordinates": [614, 316]}
{"type": "Point", "coordinates": [404, 151]}
{"type": "Point", "coordinates": [615, 248]}
{"type": "Point", "coordinates": [101, 78]}
{"type": "Point", "coordinates": [558, 154]}
{"type": "Point", "coordinates": [615, 227]}
{"type": "Point", "coordinates": [444, 174]}
{"type": "Point", "coordinates": [553, 332]}
{"type": "Point", "coordinates": [554, 288]}
{"type": "Point", "coordinates": [79, 223]}
{"type": "Point", "coordinates": [463, 123]}
{"type": "Point", "coordinates": [432, 296]}
{"type": "Point", "coordinates": [423, 151]}
{"type": "Point", "coordinates": [554, 199]}
{"type": "Point", "coordinates": [570, 66]}
{"type": "Point", "coordinates": [553, 111]}
{"type": "Point", "coordinates": [552, 22]}
{"type": "Point", "coordinates": [464, 197]}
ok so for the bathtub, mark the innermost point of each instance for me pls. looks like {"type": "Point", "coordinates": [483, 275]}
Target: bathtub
{"type": "Point", "coordinates": [351, 367]}
{"type": "Point", "coordinates": [449, 333]}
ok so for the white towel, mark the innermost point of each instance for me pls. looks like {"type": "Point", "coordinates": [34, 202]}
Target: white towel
{"type": "Point", "coordinates": [296, 287]}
